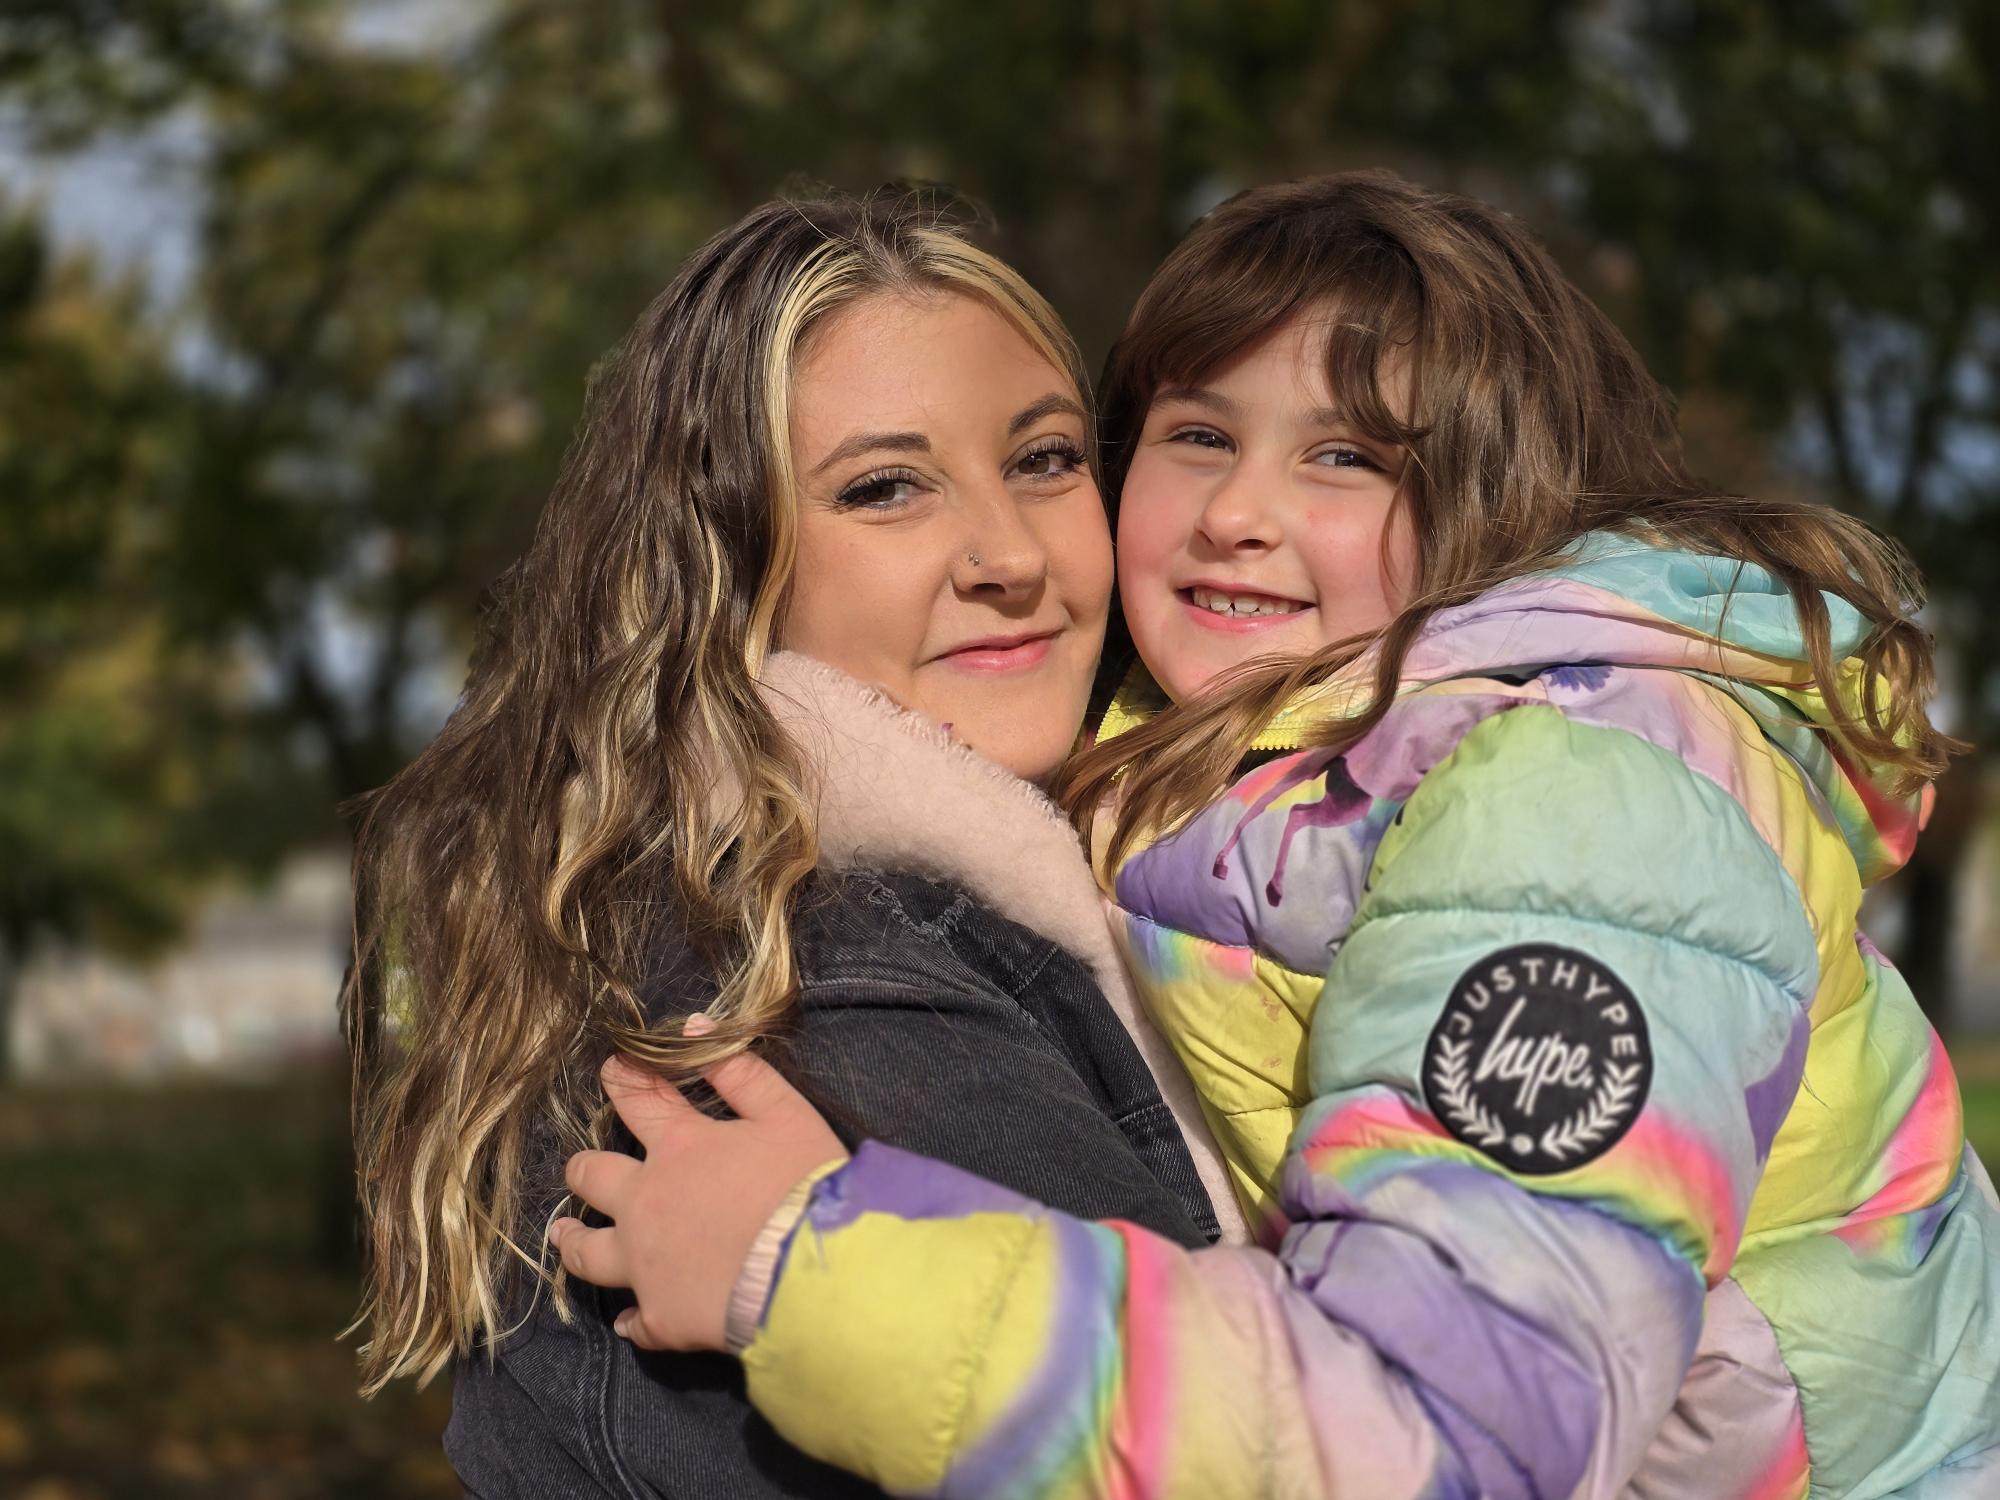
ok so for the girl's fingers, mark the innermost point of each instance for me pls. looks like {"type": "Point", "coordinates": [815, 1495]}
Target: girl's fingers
{"type": "Point", "coordinates": [601, 1178]}
{"type": "Point", "coordinates": [649, 1105]}
{"type": "Point", "coordinates": [592, 1255]}
{"type": "Point", "coordinates": [752, 1087]}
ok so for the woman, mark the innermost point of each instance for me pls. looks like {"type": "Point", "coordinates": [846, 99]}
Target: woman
{"type": "Point", "coordinates": [841, 433]}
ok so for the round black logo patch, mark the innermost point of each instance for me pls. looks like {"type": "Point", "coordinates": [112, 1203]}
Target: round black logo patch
{"type": "Point", "coordinates": [1541, 1058]}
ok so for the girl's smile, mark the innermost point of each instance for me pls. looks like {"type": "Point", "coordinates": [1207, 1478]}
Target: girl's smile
{"type": "Point", "coordinates": [1220, 606]}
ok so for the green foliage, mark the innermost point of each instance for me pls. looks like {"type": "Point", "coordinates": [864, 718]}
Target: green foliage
{"type": "Point", "coordinates": [412, 252]}
{"type": "Point", "coordinates": [1809, 199]}
{"type": "Point", "coordinates": [126, 771]}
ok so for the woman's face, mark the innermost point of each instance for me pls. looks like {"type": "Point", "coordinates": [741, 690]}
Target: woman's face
{"type": "Point", "coordinates": [1253, 518]}
{"type": "Point", "coordinates": [952, 548]}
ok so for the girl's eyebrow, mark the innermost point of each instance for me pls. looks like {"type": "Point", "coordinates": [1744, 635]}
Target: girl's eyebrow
{"type": "Point", "coordinates": [1222, 406]}
{"type": "Point", "coordinates": [1196, 395]}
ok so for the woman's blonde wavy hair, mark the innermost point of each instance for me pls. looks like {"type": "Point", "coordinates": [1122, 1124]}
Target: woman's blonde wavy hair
{"type": "Point", "coordinates": [1531, 423]}
{"type": "Point", "coordinates": [610, 785]}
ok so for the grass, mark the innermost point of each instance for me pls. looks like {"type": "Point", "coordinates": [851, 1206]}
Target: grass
{"type": "Point", "coordinates": [1978, 1067]}
{"type": "Point", "coordinates": [174, 1265]}
{"type": "Point", "coordinates": [1982, 1119]}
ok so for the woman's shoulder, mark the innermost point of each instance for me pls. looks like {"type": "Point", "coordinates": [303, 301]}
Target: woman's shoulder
{"type": "Point", "coordinates": [929, 1018]}
{"type": "Point", "coordinates": [901, 927]}
{"type": "Point", "coordinates": [881, 950]}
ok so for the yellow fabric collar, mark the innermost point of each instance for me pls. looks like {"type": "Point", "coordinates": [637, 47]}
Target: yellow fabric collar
{"type": "Point", "coordinates": [1139, 698]}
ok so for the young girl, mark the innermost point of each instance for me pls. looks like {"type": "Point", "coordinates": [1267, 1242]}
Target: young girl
{"type": "Point", "coordinates": [1506, 924]}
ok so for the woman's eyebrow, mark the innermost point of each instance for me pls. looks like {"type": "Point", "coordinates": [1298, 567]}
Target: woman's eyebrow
{"type": "Point", "coordinates": [916, 442]}
{"type": "Point", "coordinates": [869, 442]}
{"type": "Point", "coordinates": [1051, 404]}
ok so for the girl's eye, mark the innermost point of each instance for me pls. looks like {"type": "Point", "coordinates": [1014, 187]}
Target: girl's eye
{"type": "Point", "coordinates": [883, 491]}
{"type": "Point", "coordinates": [1054, 459]}
{"type": "Point", "coordinates": [1346, 458]}
{"type": "Point", "coordinates": [1200, 437]}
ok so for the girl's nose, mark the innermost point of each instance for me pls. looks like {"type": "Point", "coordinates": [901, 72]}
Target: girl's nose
{"type": "Point", "coordinates": [1236, 517]}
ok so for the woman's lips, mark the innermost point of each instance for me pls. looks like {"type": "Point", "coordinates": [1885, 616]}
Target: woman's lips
{"type": "Point", "coordinates": [1002, 653]}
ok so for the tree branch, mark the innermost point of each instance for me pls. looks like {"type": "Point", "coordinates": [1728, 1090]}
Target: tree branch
{"type": "Point", "coordinates": [318, 706]}
{"type": "Point", "coordinates": [1933, 405]}
{"type": "Point", "coordinates": [699, 109]}
{"type": "Point", "coordinates": [1834, 425]}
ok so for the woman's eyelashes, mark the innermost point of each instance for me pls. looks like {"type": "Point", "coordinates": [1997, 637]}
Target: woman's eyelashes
{"type": "Point", "coordinates": [885, 489]}
{"type": "Point", "coordinates": [1052, 458]}
{"type": "Point", "coordinates": [1046, 461]}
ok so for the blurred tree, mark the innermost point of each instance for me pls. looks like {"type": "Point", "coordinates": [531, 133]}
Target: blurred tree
{"type": "Point", "coordinates": [122, 772]}
{"type": "Point", "coordinates": [1097, 131]}
{"type": "Point", "coordinates": [411, 253]}
{"type": "Point", "coordinates": [1809, 201]}
{"type": "Point", "coordinates": [425, 221]}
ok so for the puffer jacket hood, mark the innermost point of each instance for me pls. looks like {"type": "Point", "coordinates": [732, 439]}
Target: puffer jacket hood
{"type": "Point", "coordinates": [1727, 620]}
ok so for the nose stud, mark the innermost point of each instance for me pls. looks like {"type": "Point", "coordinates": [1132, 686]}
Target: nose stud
{"type": "Point", "coordinates": [973, 558]}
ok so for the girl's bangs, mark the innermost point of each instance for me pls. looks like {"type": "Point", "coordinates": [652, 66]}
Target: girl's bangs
{"type": "Point", "coordinates": [1370, 305]}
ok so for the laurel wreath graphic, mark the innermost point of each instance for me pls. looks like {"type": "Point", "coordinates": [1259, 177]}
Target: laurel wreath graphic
{"type": "Point", "coordinates": [1607, 1107]}
{"type": "Point", "coordinates": [1455, 1093]}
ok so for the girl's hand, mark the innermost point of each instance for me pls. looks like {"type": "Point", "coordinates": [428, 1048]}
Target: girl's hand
{"type": "Point", "coordinates": [688, 1214]}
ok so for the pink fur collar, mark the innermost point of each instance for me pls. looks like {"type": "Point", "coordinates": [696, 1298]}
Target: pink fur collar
{"type": "Point", "coordinates": [895, 791]}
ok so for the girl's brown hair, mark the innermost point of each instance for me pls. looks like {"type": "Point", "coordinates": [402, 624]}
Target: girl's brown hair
{"type": "Point", "coordinates": [1531, 421]}
{"type": "Point", "coordinates": [611, 785]}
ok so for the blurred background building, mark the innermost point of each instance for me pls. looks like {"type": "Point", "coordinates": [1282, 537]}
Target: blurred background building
{"type": "Point", "coordinates": [298, 299]}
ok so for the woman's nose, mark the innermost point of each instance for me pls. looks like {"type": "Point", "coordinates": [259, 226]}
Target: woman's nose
{"type": "Point", "coordinates": [1000, 552]}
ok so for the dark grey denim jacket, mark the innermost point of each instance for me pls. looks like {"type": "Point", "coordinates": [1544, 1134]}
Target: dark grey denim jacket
{"type": "Point", "coordinates": [928, 1021]}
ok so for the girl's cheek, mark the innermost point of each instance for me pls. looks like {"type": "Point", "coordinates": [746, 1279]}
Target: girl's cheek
{"type": "Point", "coordinates": [1148, 536]}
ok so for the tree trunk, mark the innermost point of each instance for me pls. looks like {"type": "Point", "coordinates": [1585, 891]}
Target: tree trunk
{"type": "Point", "coordinates": [1930, 886]}
{"type": "Point", "coordinates": [10, 990]}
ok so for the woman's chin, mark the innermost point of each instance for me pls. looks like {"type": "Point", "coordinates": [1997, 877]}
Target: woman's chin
{"type": "Point", "coordinates": [1034, 758]}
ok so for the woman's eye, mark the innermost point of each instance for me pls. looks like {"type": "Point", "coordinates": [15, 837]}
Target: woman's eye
{"type": "Point", "coordinates": [1052, 461]}
{"type": "Point", "coordinates": [1200, 437]}
{"type": "Point", "coordinates": [1346, 458]}
{"type": "Point", "coordinates": [878, 492]}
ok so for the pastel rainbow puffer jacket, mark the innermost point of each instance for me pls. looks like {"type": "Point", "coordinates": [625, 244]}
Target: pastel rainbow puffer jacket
{"type": "Point", "coordinates": [1596, 1150]}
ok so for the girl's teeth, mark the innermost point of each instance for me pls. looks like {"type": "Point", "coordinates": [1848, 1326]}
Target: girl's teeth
{"type": "Point", "coordinates": [1219, 603]}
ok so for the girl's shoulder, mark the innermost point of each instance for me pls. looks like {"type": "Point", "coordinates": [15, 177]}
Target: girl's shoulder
{"type": "Point", "coordinates": [1285, 854]}
{"type": "Point", "coordinates": [1689, 716]}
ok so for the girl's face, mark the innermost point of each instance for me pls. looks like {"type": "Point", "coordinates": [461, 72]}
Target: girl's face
{"type": "Point", "coordinates": [1253, 516]}
{"type": "Point", "coordinates": [952, 547]}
